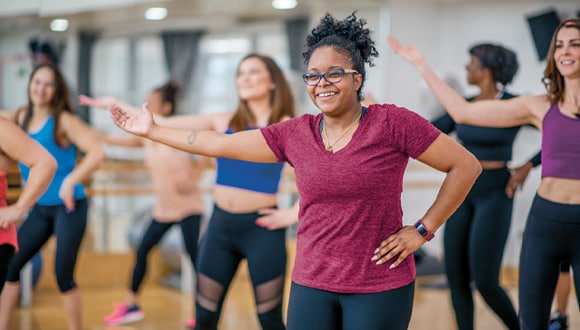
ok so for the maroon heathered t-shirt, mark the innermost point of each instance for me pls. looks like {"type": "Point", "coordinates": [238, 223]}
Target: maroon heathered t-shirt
{"type": "Point", "coordinates": [350, 200]}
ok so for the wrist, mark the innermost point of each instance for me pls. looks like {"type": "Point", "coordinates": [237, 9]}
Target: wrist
{"type": "Point", "coordinates": [423, 230]}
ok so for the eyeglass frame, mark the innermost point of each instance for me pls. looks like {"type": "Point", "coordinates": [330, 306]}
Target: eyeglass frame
{"type": "Point", "coordinates": [324, 74]}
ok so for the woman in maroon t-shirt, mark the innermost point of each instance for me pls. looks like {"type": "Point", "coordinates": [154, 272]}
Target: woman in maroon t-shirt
{"type": "Point", "coordinates": [354, 266]}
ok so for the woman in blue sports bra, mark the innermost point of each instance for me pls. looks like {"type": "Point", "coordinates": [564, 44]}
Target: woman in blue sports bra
{"type": "Point", "coordinates": [61, 211]}
{"type": "Point", "coordinates": [244, 223]}
{"type": "Point", "coordinates": [553, 225]}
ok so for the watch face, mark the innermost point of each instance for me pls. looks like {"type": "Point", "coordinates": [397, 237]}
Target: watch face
{"type": "Point", "coordinates": [422, 230]}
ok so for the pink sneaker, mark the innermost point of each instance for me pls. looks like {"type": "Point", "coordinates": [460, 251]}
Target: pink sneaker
{"type": "Point", "coordinates": [123, 314]}
{"type": "Point", "coordinates": [191, 323]}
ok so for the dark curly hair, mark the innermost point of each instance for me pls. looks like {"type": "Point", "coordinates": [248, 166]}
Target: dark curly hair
{"type": "Point", "coordinates": [502, 62]}
{"type": "Point", "coordinates": [348, 37]}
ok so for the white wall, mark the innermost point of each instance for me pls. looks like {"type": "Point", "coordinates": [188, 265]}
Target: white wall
{"type": "Point", "coordinates": [443, 32]}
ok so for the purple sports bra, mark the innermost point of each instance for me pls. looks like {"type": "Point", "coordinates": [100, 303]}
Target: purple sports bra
{"type": "Point", "coordinates": [560, 145]}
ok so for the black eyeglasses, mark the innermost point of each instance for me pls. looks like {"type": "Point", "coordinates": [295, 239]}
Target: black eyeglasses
{"type": "Point", "coordinates": [332, 76]}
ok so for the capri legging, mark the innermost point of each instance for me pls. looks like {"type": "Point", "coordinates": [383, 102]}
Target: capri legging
{"type": "Point", "coordinates": [229, 239]}
{"type": "Point", "coordinates": [6, 253]}
{"type": "Point", "coordinates": [153, 234]}
{"type": "Point", "coordinates": [41, 223]}
{"type": "Point", "coordinates": [313, 309]}
{"type": "Point", "coordinates": [550, 237]}
{"type": "Point", "coordinates": [474, 242]}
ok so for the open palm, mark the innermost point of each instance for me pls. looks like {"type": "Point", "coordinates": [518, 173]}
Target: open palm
{"type": "Point", "coordinates": [409, 53]}
{"type": "Point", "coordinates": [134, 123]}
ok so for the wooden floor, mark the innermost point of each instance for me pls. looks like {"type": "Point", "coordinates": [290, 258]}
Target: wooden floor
{"type": "Point", "coordinates": [169, 309]}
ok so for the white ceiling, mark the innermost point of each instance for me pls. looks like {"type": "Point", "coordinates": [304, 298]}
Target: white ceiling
{"type": "Point", "coordinates": [127, 15]}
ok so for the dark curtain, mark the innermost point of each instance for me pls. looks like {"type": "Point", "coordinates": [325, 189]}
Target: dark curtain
{"type": "Point", "coordinates": [181, 54]}
{"type": "Point", "coordinates": [86, 43]}
{"type": "Point", "coordinates": [296, 31]}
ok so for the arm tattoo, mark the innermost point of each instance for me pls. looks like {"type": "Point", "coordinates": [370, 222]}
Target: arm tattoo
{"type": "Point", "coordinates": [191, 137]}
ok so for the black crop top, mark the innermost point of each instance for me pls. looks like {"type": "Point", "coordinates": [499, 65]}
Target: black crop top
{"type": "Point", "coordinates": [484, 143]}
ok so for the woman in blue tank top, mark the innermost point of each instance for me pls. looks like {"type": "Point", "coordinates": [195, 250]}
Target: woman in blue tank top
{"type": "Point", "coordinates": [244, 223]}
{"type": "Point", "coordinates": [553, 225]}
{"type": "Point", "coordinates": [62, 210]}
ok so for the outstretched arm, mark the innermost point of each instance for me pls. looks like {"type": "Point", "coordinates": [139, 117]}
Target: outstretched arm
{"type": "Point", "coordinates": [492, 113]}
{"type": "Point", "coordinates": [246, 145]}
{"type": "Point", "coordinates": [197, 122]}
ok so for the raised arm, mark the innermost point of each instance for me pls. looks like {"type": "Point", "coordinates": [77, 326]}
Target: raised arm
{"type": "Point", "coordinates": [15, 144]}
{"type": "Point", "coordinates": [492, 113]}
{"type": "Point", "coordinates": [246, 145]}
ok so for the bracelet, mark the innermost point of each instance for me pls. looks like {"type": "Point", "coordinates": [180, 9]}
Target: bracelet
{"type": "Point", "coordinates": [423, 231]}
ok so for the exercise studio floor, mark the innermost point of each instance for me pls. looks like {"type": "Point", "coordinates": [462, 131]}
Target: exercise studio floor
{"type": "Point", "coordinates": [169, 309]}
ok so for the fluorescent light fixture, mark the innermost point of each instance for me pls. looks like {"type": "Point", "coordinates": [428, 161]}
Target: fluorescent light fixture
{"type": "Point", "coordinates": [155, 13]}
{"type": "Point", "coordinates": [59, 25]}
{"type": "Point", "coordinates": [284, 4]}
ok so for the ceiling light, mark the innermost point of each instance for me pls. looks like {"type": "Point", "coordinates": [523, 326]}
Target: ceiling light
{"type": "Point", "coordinates": [59, 25]}
{"type": "Point", "coordinates": [284, 4]}
{"type": "Point", "coordinates": [155, 13]}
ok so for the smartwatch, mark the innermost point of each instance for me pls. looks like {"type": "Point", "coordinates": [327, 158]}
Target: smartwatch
{"type": "Point", "coordinates": [427, 235]}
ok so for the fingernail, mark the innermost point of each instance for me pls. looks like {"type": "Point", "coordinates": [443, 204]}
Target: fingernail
{"type": "Point", "coordinates": [67, 210]}
{"type": "Point", "coordinates": [376, 251]}
{"type": "Point", "coordinates": [392, 266]}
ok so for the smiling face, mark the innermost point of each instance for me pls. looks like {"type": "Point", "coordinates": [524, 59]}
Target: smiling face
{"type": "Point", "coordinates": [333, 98]}
{"type": "Point", "coordinates": [567, 52]}
{"type": "Point", "coordinates": [42, 87]}
{"type": "Point", "coordinates": [253, 80]}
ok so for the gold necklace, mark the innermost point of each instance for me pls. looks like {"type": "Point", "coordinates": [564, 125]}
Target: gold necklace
{"type": "Point", "coordinates": [330, 146]}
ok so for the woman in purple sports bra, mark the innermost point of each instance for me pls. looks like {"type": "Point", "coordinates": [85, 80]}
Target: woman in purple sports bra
{"type": "Point", "coordinates": [553, 224]}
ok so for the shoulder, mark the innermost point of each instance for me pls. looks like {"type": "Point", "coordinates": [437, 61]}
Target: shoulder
{"type": "Point", "coordinates": [536, 105]}
{"type": "Point", "coordinates": [393, 113]}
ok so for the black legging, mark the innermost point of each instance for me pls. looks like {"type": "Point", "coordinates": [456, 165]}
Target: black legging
{"type": "Point", "coordinates": [153, 234]}
{"type": "Point", "coordinates": [229, 239]}
{"type": "Point", "coordinates": [313, 309]}
{"type": "Point", "coordinates": [6, 253]}
{"type": "Point", "coordinates": [474, 242]}
{"type": "Point", "coordinates": [550, 237]}
{"type": "Point", "coordinates": [69, 229]}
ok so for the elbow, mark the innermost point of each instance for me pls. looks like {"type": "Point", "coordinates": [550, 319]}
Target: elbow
{"type": "Point", "coordinates": [99, 155]}
{"type": "Point", "coordinates": [473, 167]}
{"type": "Point", "coordinates": [50, 164]}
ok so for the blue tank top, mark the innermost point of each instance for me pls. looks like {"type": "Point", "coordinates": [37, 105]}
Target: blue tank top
{"type": "Point", "coordinates": [484, 143]}
{"type": "Point", "coordinates": [258, 177]}
{"type": "Point", "coordinates": [65, 158]}
{"type": "Point", "coordinates": [560, 145]}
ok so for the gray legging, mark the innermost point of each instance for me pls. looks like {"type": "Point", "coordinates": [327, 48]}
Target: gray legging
{"type": "Point", "coordinates": [550, 237]}
{"type": "Point", "coordinates": [474, 242]}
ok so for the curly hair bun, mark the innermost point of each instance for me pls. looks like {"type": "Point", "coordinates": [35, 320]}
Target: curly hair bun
{"type": "Point", "coordinates": [349, 34]}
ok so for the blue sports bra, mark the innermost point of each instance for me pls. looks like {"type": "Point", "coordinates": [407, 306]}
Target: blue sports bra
{"type": "Point", "coordinates": [258, 177]}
